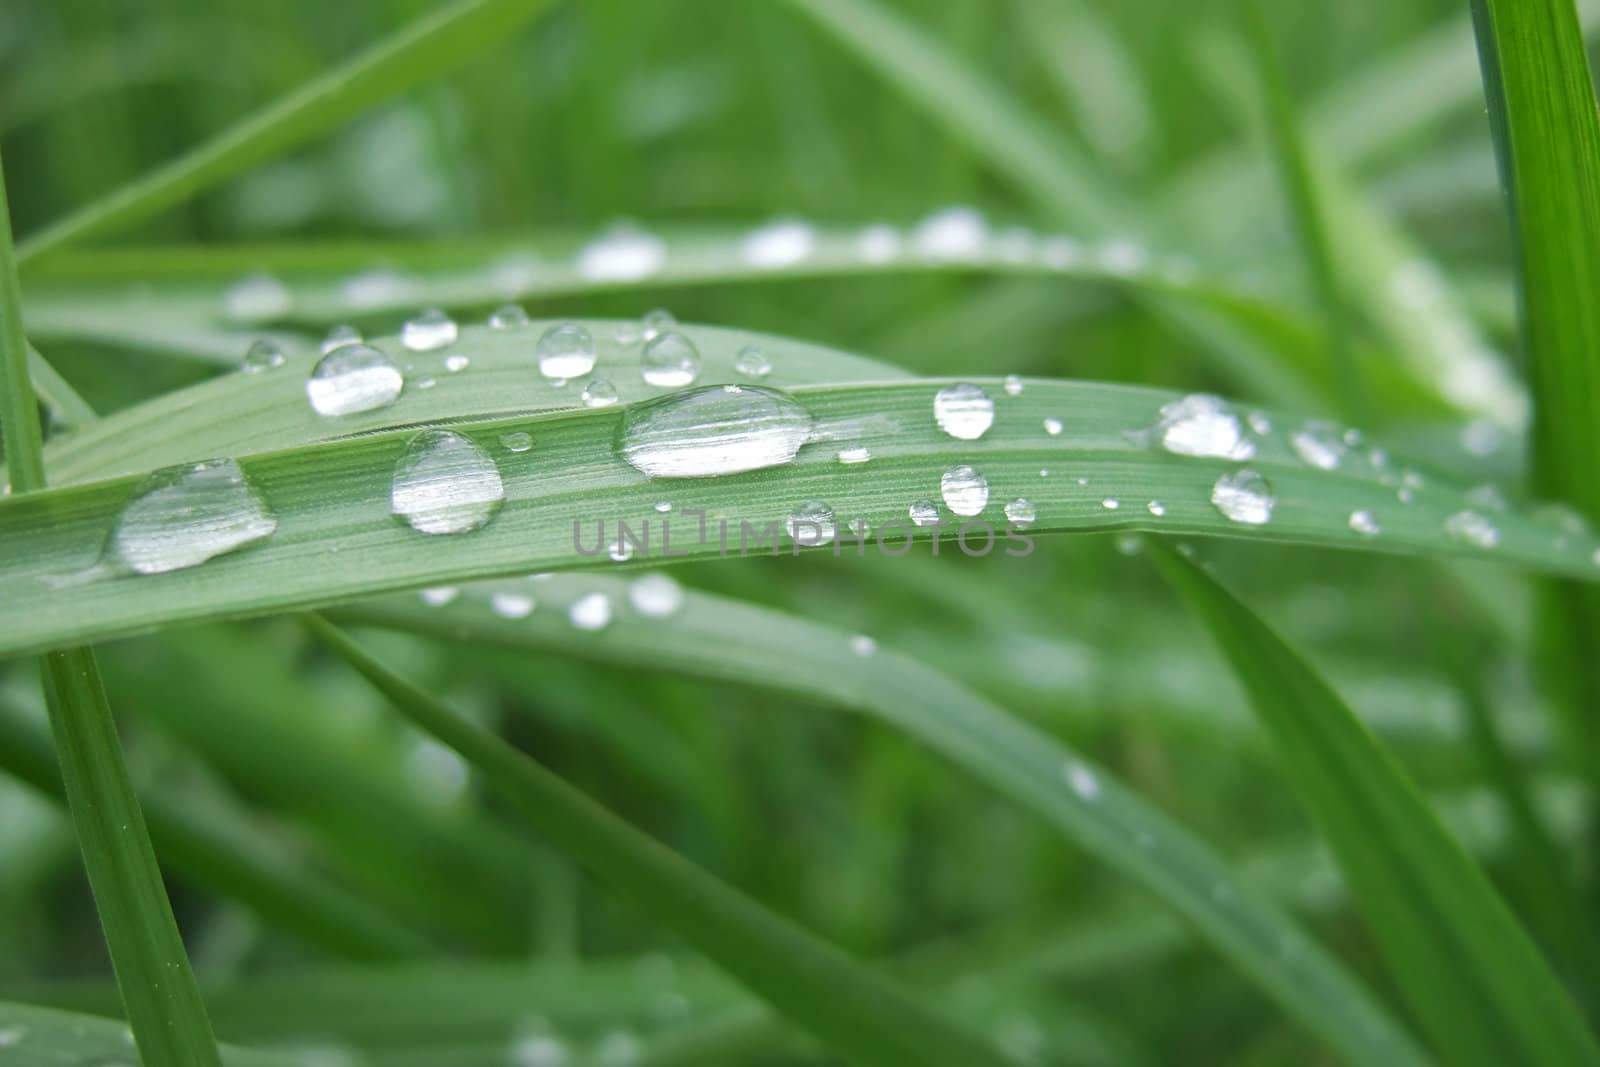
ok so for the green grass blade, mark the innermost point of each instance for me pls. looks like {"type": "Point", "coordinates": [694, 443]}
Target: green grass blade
{"type": "Point", "coordinates": [426, 49]}
{"type": "Point", "coordinates": [158, 989]}
{"type": "Point", "coordinates": [1547, 139]}
{"type": "Point", "coordinates": [810, 981]}
{"type": "Point", "coordinates": [69, 409]}
{"type": "Point", "coordinates": [46, 1036]}
{"type": "Point", "coordinates": [1474, 979]}
{"type": "Point", "coordinates": [726, 639]}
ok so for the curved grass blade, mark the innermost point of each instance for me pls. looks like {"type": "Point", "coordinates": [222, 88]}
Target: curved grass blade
{"type": "Point", "coordinates": [717, 637]}
{"type": "Point", "coordinates": [429, 47]}
{"type": "Point", "coordinates": [1469, 971]}
{"type": "Point", "coordinates": [809, 980]}
{"type": "Point", "coordinates": [46, 1037]}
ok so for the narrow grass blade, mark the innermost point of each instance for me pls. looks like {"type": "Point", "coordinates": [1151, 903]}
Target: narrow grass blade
{"type": "Point", "coordinates": [429, 47]}
{"type": "Point", "coordinates": [1470, 973]}
{"type": "Point", "coordinates": [808, 980]}
{"type": "Point", "coordinates": [69, 410]}
{"type": "Point", "coordinates": [158, 989]}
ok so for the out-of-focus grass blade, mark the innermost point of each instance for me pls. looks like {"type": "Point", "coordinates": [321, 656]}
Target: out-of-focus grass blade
{"type": "Point", "coordinates": [807, 979]}
{"type": "Point", "coordinates": [427, 48]}
{"type": "Point", "coordinates": [717, 637]}
{"type": "Point", "coordinates": [46, 1037]}
{"type": "Point", "coordinates": [68, 409]}
{"type": "Point", "coordinates": [1547, 138]}
{"type": "Point", "coordinates": [158, 989]}
{"type": "Point", "coordinates": [1474, 979]}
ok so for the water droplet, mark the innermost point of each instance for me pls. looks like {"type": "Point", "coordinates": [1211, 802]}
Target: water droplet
{"type": "Point", "coordinates": [701, 433]}
{"type": "Point", "coordinates": [655, 596]}
{"type": "Point", "coordinates": [878, 244]}
{"type": "Point", "coordinates": [12, 1036]}
{"type": "Point", "coordinates": [599, 393]}
{"type": "Point", "coordinates": [1156, 508]}
{"type": "Point", "coordinates": [339, 336]}
{"type": "Point", "coordinates": [184, 515]}
{"type": "Point", "coordinates": [262, 355]}
{"type": "Point", "coordinates": [510, 605]}
{"type": "Point", "coordinates": [1473, 529]}
{"type": "Point", "coordinates": [351, 379]}
{"type": "Point", "coordinates": [670, 360]}
{"type": "Point", "coordinates": [1243, 496]}
{"type": "Point", "coordinates": [1259, 423]}
{"type": "Point", "coordinates": [1121, 256]}
{"type": "Point", "coordinates": [516, 441]}
{"type": "Point", "coordinates": [1318, 445]}
{"type": "Point", "coordinates": [620, 550]}
{"type": "Point", "coordinates": [752, 362]}
{"type": "Point", "coordinates": [965, 491]}
{"type": "Point", "coordinates": [426, 383]}
{"type": "Point", "coordinates": [1362, 522]}
{"type": "Point", "coordinates": [1013, 385]}
{"type": "Point", "coordinates": [952, 234]}
{"type": "Point", "coordinates": [428, 330]}
{"type": "Point", "coordinates": [924, 513]}
{"type": "Point", "coordinates": [378, 288]}
{"type": "Point", "coordinates": [508, 317]}
{"type": "Point", "coordinates": [627, 333]}
{"type": "Point", "coordinates": [656, 322]}
{"type": "Point", "coordinates": [1060, 252]}
{"type": "Point", "coordinates": [440, 595]}
{"type": "Point", "coordinates": [1111, 503]}
{"type": "Point", "coordinates": [663, 506]}
{"type": "Point", "coordinates": [1203, 425]}
{"type": "Point", "coordinates": [445, 484]}
{"type": "Point", "coordinates": [538, 1050]}
{"type": "Point", "coordinates": [857, 454]}
{"type": "Point", "coordinates": [1129, 544]}
{"type": "Point", "coordinates": [257, 298]}
{"type": "Point", "coordinates": [963, 411]}
{"type": "Point", "coordinates": [455, 362]}
{"type": "Point", "coordinates": [622, 254]}
{"type": "Point", "coordinates": [1052, 427]}
{"type": "Point", "coordinates": [812, 524]}
{"type": "Point", "coordinates": [565, 350]}
{"type": "Point", "coordinates": [592, 611]}
{"type": "Point", "coordinates": [779, 244]}
{"type": "Point", "coordinates": [862, 645]}
{"type": "Point", "coordinates": [1487, 496]}
{"type": "Point", "coordinates": [1022, 513]}
{"type": "Point", "coordinates": [1082, 780]}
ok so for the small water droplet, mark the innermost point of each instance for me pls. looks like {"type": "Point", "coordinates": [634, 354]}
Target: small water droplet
{"type": "Point", "coordinates": [426, 383]}
{"type": "Point", "coordinates": [1022, 513]}
{"type": "Point", "coordinates": [1156, 508]}
{"type": "Point", "coordinates": [445, 484]}
{"type": "Point", "coordinates": [955, 233]}
{"type": "Point", "coordinates": [1259, 423]}
{"type": "Point", "coordinates": [1082, 481]}
{"type": "Point", "coordinates": [878, 244]}
{"type": "Point", "coordinates": [1082, 780]}
{"type": "Point", "coordinates": [538, 1050]}
{"type": "Point", "coordinates": [670, 360]}
{"type": "Point", "coordinates": [622, 254]}
{"type": "Point", "coordinates": [1013, 385]}
{"type": "Point", "coordinates": [258, 298]}
{"type": "Point", "coordinates": [779, 244]}
{"type": "Point", "coordinates": [12, 1036]}
{"type": "Point", "coordinates": [182, 516]}
{"type": "Point", "coordinates": [1203, 425]}
{"type": "Point", "coordinates": [378, 288]}
{"type": "Point", "coordinates": [856, 454]}
{"type": "Point", "coordinates": [1363, 522]}
{"type": "Point", "coordinates": [428, 330]}
{"type": "Point", "coordinates": [1488, 496]}
{"type": "Point", "coordinates": [599, 393]}
{"type": "Point", "coordinates": [924, 513]}
{"type": "Point", "coordinates": [262, 355]}
{"type": "Point", "coordinates": [516, 441]}
{"type": "Point", "coordinates": [963, 411]}
{"type": "Point", "coordinates": [812, 525]}
{"type": "Point", "coordinates": [565, 350]}
{"type": "Point", "coordinates": [655, 596]}
{"type": "Point", "coordinates": [1129, 544]}
{"type": "Point", "coordinates": [965, 491]}
{"type": "Point", "coordinates": [1052, 427]}
{"type": "Point", "coordinates": [663, 506]}
{"type": "Point", "coordinates": [1318, 445]}
{"type": "Point", "coordinates": [710, 431]}
{"type": "Point", "coordinates": [1243, 496]}
{"type": "Point", "coordinates": [592, 611]}
{"type": "Point", "coordinates": [862, 645]}
{"type": "Point", "coordinates": [1471, 528]}
{"type": "Point", "coordinates": [339, 336]}
{"type": "Point", "coordinates": [440, 595]}
{"type": "Point", "coordinates": [509, 317]}
{"type": "Point", "coordinates": [656, 322]}
{"type": "Point", "coordinates": [510, 605]}
{"type": "Point", "coordinates": [455, 362]}
{"type": "Point", "coordinates": [620, 550]}
{"type": "Point", "coordinates": [752, 362]}
{"type": "Point", "coordinates": [1111, 503]}
{"type": "Point", "coordinates": [1122, 256]}
{"type": "Point", "coordinates": [1061, 252]}
{"type": "Point", "coordinates": [351, 379]}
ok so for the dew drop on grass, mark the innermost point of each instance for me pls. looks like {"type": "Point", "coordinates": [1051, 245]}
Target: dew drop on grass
{"type": "Point", "coordinates": [1243, 496]}
{"type": "Point", "coordinates": [1318, 445]}
{"type": "Point", "coordinates": [656, 322]}
{"type": "Point", "coordinates": [670, 360]}
{"type": "Point", "coordinates": [1122, 256]}
{"type": "Point", "coordinates": [622, 254]}
{"type": "Point", "coordinates": [963, 411]}
{"type": "Point", "coordinates": [965, 491]}
{"type": "Point", "coordinates": [655, 596]}
{"type": "Point", "coordinates": [863, 646]}
{"type": "Point", "coordinates": [924, 513]}
{"type": "Point", "coordinates": [377, 288]}
{"type": "Point", "coordinates": [779, 244]}
{"type": "Point", "coordinates": [508, 317]}
{"type": "Point", "coordinates": [620, 550]}
{"type": "Point", "coordinates": [509, 605]}
{"type": "Point", "coordinates": [878, 244]}
{"type": "Point", "coordinates": [1203, 425]}
{"type": "Point", "coordinates": [445, 483]}
{"type": "Point", "coordinates": [1111, 503]}
{"type": "Point", "coordinates": [428, 330]}
{"type": "Point", "coordinates": [516, 441]}
{"type": "Point", "coordinates": [565, 350]}
{"type": "Point", "coordinates": [752, 362]}
{"type": "Point", "coordinates": [812, 524]}
{"type": "Point", "coordinates": [1013, 385]}
{"type": "Point", "coordinates": [1156, 508]}
{"type": "Point", "coordinates": [591, 612]}
{"type": "Point", "coordinates": [184, 515]}
{"type": "Point", "coordinates": [955, 233]}
{"type": "Point", "coordinates": [1081, 780]}
{"type": "Point", "coordinates": [262, 355]}
{"type": "Point", "coordinates": [339, 336]}
{"type": "Point", "coordinates": [599, 393]}
{"type": "Point", "coordinates": [12, 1036]}
{"type": "Point", "coordinates": [1472, 528]}
{"type": "Point", "coordinates": [455, 362]}
{"type": "Point", "coordinates": [440, 595]}
{"type": "Point", "coordinates": [1021, 513]}
{"type": "Point", "coordinates": [1259, 423]}
{"type": "Point", "coordinates": [711, 431]}
{"type": "Point", "coordinates": [663, 506]}
{"type": "Point", "coordinates": [257, 298]}
{"type": "Point", "coordinates": [353, 378]}
{"type": "Point", "coordinates": [1363, 522]}
{"type": "Point", "coordinates": [857, 454]}
{"type": "Point", "coordinates": [1488, 496]}
{"type": "Point", "coordinates": [538, 1050]}
{"type": "Point", "coordinates": [1052, 427]}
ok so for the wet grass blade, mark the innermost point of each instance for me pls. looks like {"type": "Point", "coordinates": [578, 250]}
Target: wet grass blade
{"type": "Point", "coordinates": [426, 49]}
{"type": "Point", "coordinates": [1475, 980]}
{"type": "Point", "coordinates": [809, 980]}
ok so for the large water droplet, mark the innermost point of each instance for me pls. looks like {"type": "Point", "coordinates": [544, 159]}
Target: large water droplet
{"type": "Point", "coordinates": [182, 516]}
{"type": "Point", "coordinates": [428, 330]}
{"type": "Point", "coordinates": [963, 411]}
{"type": "Point", "coordinates": [445, 484]}
{"type": "Point", "coordinates": [599, 393]}
{"type": "Point", "coordinates": [924, 513]}
{"type": "Point", "coordinates": [1473, 529]}
{"type": "Point", "coordinates": [670, 360]}
{"type": "Point", "coordinates": [592, 611]}
{"type": "Point", "coordinates": [565, 350]}
{"type": "Point", "coordinates": [1243, 496]}
{"type": "Point", "coordinates": [257, 298]}
{"type": "Point", "coordinates": [779, 244]}
{"type": "Point", "coordinates": [1318, 445]}
{"type": "Point", "coordinates": [965, 491]}
{"type": "Point", "coordinates": [702, 433]}
{"type": "Point", "coordinates": [1203, 425]}
{"type": "Point", "coordinates": [351, 379]}
{"type": "Point", "coordinates": [812, 524]}
{"type": "Point", "coordinates": [623, 254]}
{"type": "Point", "coordinates": [655, 596]}
{"type": "Point", "coordinates": [752, 362]}
{"type": "Point", "coordinates": [1021, 513]}
{"type": "Point", "coordinates": [262, 355]}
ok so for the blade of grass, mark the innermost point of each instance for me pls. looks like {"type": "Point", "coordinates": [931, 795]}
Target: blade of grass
{"type": "Point", "coordinates": [69, 410]}
{"type": "Point", "coordinates": [163, 1003]}
{"type": "Point", "coordinates": [1469, 971]}
{"type": "Point", "coordinates": [809, 980]}
{"type": "Point", "coordinates": [42, 1036]}
{"type": "Point", "coordinates": [426, 49]}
